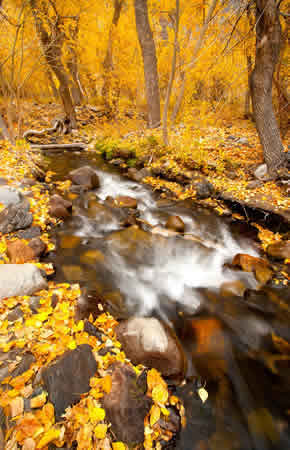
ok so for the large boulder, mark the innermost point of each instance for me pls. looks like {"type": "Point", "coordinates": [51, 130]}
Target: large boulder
{"type": "Point", "coordinates": [86, 177]}
{"type": "Point", "coordinates": [126, 405]}
{"type": "Point", "coordinates": [15, 217]}
{"type": "Point", "coordinates": [9, 196]}
{"type": "Point", "coordinates": [59, 207]}
{"type": "Point", "coordinates": [69, 377]}
{"type": "Point", "coordinates": [148, 341]}
{"type": "Point", "coordinates": [20, 279]}
{"type": "Point", "coordinates": [279, 250]}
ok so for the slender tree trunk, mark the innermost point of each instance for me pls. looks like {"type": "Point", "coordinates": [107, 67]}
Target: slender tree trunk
{"type": "Point", "coordinates": [172, 74]}
{"type": "Point", "coordinates": [248, 114]}
{"type": "Point", "coordinates": [72, 64]}
{"type": "Point", "coordinates": [108, 61]}
{"type": "Point", "coordinates": [268, 42]}
{"type": "Point", "coordinates": [51, 45]}
{"type": "Point", "coordinates": [52, 84]}
{"type": "Point", "coordinates": [197, 48]}
{"type": "Point", "coordinates": [147, 45]}
{"type": "Point", "coordinates": [4, 131]}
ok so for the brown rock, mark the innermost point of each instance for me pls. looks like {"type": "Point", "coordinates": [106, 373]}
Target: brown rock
{"type": "Point", "coordinates": [148, 341]}
{"type": "Point", "coordinates": [175, 223]}
{"type": "Point", "coordinates": [279, 250]}
{"type": "Point", "coordinates": [236, 288]}
{"type": "Point", "coordinates": [126, 405]}
{"type": "Point", "coordinates": [38, 246]}
{"type": "Point", "coordinates": [19, 252]}
{"type": "Point", "coordinates": [59, 207]}
{"type": "Point", "coordinates": [122, 201]}
{"type": "Point", "coordinates": [85, 176]}
{"type": "Point", "coordinates": [260, 267]}
{"type": "Point", "coordinates": [69, 377]}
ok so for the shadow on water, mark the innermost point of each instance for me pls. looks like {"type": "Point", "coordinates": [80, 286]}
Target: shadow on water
{"type": "Point", "coordinates": [227, 338]}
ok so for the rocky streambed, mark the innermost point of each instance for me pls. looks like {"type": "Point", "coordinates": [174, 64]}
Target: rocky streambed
{"type": "Point", "coordinates": [193, 297]}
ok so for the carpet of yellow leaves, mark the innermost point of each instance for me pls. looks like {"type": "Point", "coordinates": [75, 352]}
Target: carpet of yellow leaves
{"type": "Point", "coordinates": [47, 335]}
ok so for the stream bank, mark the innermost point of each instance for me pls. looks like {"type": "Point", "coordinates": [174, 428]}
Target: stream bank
{"type": "Point", "coordinates": [129, 263]}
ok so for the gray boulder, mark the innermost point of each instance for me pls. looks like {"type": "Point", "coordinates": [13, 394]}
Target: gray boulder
{"type": "Point", "coordinates": [20, 279]}
{"type": "Point", "coordinates": [9, 196]}
{"type": "Point", "coordinates": [15, 217]}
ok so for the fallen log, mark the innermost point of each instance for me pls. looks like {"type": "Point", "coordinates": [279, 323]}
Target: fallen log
{"type": "Point", "coordinates": [57, 125]}
{"type": "Point", "coordinates": [75, 146]}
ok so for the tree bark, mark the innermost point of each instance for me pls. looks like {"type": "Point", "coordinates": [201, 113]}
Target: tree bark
{"type": "Point", "coordinates": [268, 43]}
{"type": "Point", "coordinates": [108, 61]}
{"type": "Point", "coordinates": [4, 131]}
{"type": "Point", "coordinates": [147, 45]}
{"type": "Point", "coordinates": [52, 46]}
{"type": "Point", "coordinates": [248, 114]}
{"type": "Point", "coordinates": [197, 48]}
{"type": "Point", "coordinates": [72, 64]}
{"type": "Point", "coordinates": [172, 75]}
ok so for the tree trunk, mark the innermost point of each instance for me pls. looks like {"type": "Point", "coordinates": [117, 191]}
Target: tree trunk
{"type": "Point", "coordinates": [268, 42]}
{"type": "Point", "coordinates": [51, 45]}
{"type": "Point", "coordinates": [72, 64]}
{"type": "Point", "coordinates": [248, 114]}
{"type": "Point", "coordinates": [197, 48]}
{"type": "Point", "coordinates": [147, 45]}
{"type": "Point", "coordinates": [4, 131]}
{"type": "Point", "coordinates": [172, 75]}
{"type": "Point", "coordinates": [108, 61]}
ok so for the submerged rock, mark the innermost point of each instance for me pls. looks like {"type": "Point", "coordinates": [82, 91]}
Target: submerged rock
{"type": "Point", "coordinates": [148, 341]}
{"type": "Point", "coordinates": [122, 201]}
{"type": "Point", "coordinates": [59, 207]}
{"type": "Point", "coordinates": [20, 279]}
{"type": "Point", "coordinates": [15, 217]}
{"type": "Point", "coordinates": [175, 223]}
{"type": "Point", "coordinates": [126, 405]}
{"type": "Point", "coordinates": [69, 377]}
{"type": "Point", "coordinates": [85, 176]}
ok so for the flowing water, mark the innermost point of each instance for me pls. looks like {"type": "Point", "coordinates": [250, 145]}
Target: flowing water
{"type": "Point", "coordinates": [178, 278]}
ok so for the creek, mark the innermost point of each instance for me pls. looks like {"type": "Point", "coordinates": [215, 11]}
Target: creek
{"type": "Point", "coordinates": [147, 271]}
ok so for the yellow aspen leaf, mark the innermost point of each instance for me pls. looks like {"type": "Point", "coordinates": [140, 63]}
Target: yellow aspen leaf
{"type": "Point", "coordinates": [160, 394]}
{"type": "Point", "coordinates": [51, 435]}
{"type": "Point", "coordinates": [72, 344]}
{"type": "Point", "coordinates": [119, 446]}
{"type": "Point", "coordinates": [101, 430]}
{"type": "Point", "coordinates": [21, 380]}
{"type": "Point", "coordinates": [38, 401]}
{"type": "Point", "coordinates": [154, 415]}
{"type": "Point", "coordinates": [96, 414]}
{"type": "Point", "coordinates": [154, 379]}
{"type": "Point", "coordinates": [16, 406]}
{"type": "Point", "coordinates": [165, 411]}
{"type": "Point", "coordinates": [29, 426]}
{"type": "Point", "coordinates": [107, 383]}
{"type": "Point", "coordinates": [173, 400]}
